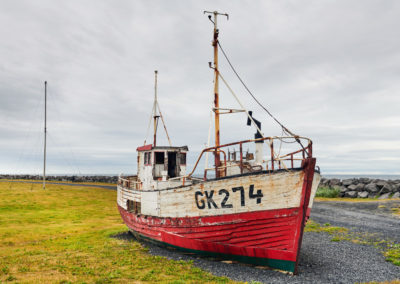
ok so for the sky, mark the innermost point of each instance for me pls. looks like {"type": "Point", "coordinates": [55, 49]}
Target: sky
{"type": "Point", "coordinates": [328, 70]}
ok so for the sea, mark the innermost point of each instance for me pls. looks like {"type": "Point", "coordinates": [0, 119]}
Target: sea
{"type": "Point", "coordinates": [211, 175]}
{"type": "Point", "coordinates": [346, 176]}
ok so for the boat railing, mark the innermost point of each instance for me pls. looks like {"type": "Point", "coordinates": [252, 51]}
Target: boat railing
{"type": "Point", "coordinates": [183, 179]}
{"type": "Point", "coordinates": [276, 161]}
{"type": "Point", "coordinates": [130, 183]}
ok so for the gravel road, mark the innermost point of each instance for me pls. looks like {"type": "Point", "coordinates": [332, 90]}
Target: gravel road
{"type": "Point", "coordinates": [321, 260]}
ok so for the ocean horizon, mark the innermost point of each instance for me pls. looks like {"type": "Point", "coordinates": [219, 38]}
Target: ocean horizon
{"type": "Point", "coordinates": [329, 176]}
{"type": "Point", "coordinates": [371, 176]}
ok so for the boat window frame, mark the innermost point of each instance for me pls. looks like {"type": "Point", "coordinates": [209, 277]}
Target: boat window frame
{"type": "Point", "coordinates": [181, 155]}
{"type": "Point", "coordinates": [155, 157]}
{"type": "Point", "coordinates": [147, 158]}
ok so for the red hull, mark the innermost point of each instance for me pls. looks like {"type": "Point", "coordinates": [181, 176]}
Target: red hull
{"type": "Point", "coordinates": [263, 234]}
{"type": "Point", "coordinates": [270, 237]}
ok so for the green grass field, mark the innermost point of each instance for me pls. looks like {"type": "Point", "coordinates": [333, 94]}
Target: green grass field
{"type": "Point", "coordinates": [63, 235]}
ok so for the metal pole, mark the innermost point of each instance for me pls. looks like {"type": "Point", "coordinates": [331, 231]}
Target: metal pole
{"type": "Point", "coordinates": [45, 134]}
{"type": "Point", "coordinates": [155, 108]}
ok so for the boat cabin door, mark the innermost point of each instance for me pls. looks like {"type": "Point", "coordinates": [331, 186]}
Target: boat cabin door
{"type": "Point", "coordinates": [172, 166]}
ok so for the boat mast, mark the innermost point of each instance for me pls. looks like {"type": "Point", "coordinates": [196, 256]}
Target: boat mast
{"type": "Point", "coordinates": [155, 116]}
{"type": "Point", "coordinates": [45, 134]}
{"type": "Point", "coordinates": [217, 157]}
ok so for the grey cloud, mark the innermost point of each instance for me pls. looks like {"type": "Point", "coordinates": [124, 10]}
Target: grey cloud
{"type": "Point", "coordinates": [328, 70]}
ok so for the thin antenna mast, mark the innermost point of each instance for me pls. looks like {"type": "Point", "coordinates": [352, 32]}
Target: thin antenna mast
{"type": "Point", "coordinates": [217, 157]}
{"type": "Point", "coordinates": [155, 116]}
{"type": "Point", "coordinates": [45, 134]}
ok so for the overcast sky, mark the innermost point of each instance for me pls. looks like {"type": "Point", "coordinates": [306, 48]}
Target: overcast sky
{"type": "Point", "coordinates": [329, 70]}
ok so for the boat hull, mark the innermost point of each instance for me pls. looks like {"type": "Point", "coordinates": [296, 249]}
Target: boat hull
{"type": "Point", "coordinates": [261, 238]}
{"type": "Point", "coordinates": [266, 232]}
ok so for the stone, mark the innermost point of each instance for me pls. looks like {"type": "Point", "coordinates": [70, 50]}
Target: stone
{"type": "Point", "coordinates": [347, 182]}
{"type": "Point", "coordinates": [343, 189]}
{"type": "Point", "coordinates": [384, 196]}
{"type": "Point", "coordinates": [371, 187]}
{"type": "Point", "coordinates": [363, 194]}
{"type": "Point", "coordinates": [352, 187]}
{"type": "Point", "coordinates": [324, 182]}
{"type": "Point", "coordinates": [351, 194]}
{"type": "Point", "coordinates": [380, 183]}
{"type": "Point", "coordinates": [334, 181]}
{"type": "Point", "coordinates": [360, 187]}
{"type": "Point", "coordinates": [396, 195]}
{"type": "Point", "coordinates": [386, 188]}
{"type": "Point", "coordinates": [365, 180]}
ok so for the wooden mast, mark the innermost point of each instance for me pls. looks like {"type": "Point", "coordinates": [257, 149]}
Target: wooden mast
{"type": "Point", "coordinates": [45, 134]}
{"type": "Point", "coordinates": [217, 157]}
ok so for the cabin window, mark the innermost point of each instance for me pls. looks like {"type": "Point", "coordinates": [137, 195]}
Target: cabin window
{"type": "Point", "coordinates": [147, 158]}
{"type": "Point", "coordinates": [183, 159]}
{"type": "Point", "coordinates": [133, 206]}
{"type": "Point", "coordinates": [159, 158]}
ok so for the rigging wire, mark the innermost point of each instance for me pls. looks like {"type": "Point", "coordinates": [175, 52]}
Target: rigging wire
{"type": "Point", "coordinates": [163, 122]}
{"type": "Point", "coordinates": [32, 130]}
{"type": "Point", "coordinates": [287, 131]}
{"type": "Point", "coordinates": [52, 98]}
{"type": "Point", "coordinates": [66, 161]}
{"type": "Point", "coordinates": [148, 127]}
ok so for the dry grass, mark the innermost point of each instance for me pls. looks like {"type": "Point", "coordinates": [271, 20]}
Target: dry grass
{"type": "Point", "coordinates": [62, 235]}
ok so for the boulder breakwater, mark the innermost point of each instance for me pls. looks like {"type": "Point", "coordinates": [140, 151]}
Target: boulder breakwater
{"type": "Point", "coordinates": [363, 187]}
{"type": "Point", "coordinates": [77, 179]}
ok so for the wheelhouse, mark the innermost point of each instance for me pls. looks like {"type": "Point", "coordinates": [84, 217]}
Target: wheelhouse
{"type": "Point", "coordinates": [160, 164]}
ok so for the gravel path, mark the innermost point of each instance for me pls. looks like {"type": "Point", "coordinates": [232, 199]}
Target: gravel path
{"type": "Point", "coordinates": [321, 260]}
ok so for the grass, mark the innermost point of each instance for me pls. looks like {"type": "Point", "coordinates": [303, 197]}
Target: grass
{"type": "Point", "coordinates": [313, 226]}
{"type": "Point", "coordinates": [393, 254]}
{"type": "Point", "coordinates": [396, 211]}
{"type": "Point", "coordinates": [63, 235]}
{"type": "Point", "coordinates": [327, 192]}
{"type": "Point", "coordinates": [386, 282]}
{"type": "Point", "coordinates": [389, 249]}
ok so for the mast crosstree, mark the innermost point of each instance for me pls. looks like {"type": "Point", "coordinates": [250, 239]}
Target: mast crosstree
{"type": "Point", "coordinates": [156, 115]}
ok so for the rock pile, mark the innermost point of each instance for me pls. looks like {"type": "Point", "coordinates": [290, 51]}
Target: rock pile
{"type": "Point", "coordinates": [106, 179]}
{"type": "Point", "coordinates": [364, 187]}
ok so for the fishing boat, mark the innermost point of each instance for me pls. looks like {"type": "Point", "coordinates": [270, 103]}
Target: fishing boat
{"type": "Point", "coordinates": [249, 206]}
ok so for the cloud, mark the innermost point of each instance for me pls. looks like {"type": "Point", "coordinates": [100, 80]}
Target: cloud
{"type": "Point", "coordinates": [327, 70]}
